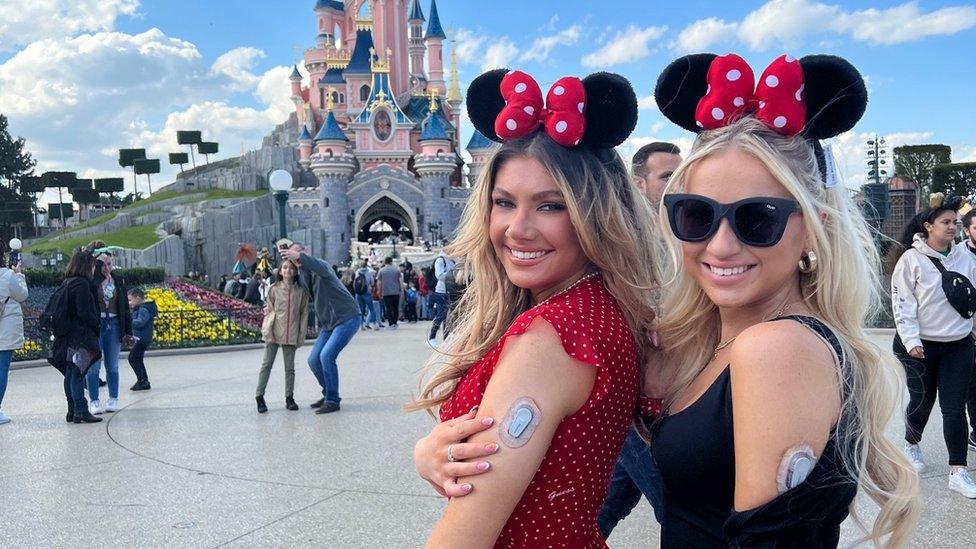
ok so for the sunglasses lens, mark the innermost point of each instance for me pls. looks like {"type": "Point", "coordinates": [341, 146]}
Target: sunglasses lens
{"type": "Point", "coordinates": [692, 219]}
{"type": "Point", "coordinates": [759, 223]}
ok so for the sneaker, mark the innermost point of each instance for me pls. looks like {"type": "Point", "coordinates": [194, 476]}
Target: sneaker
{"type": "Point", "coordinates": [394, 326]}
{"type": "Point", "coordinates": [972, 441]}
{"type": "Point", "coordinates": [262, 406]}
{"type": "Point", "coordinates": [328, 408]}
{"type": "Point", "coordinates": [112, 405]}
{"type": "Point", "coordinates": [914, 454]}
{"type": "Point", "coordinates": [961, 482]}
{"type": "Point", "coordinates": [3, 418]}
{"type": "Point", "coordinates": [95, 407]}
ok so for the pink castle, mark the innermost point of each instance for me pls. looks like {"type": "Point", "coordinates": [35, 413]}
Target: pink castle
{"type": "Point", "coordinates": [378, 129]}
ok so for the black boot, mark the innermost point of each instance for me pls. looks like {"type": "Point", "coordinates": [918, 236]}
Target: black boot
{"type": "Point", "coordinates": [141, 385]}
{"type": "Point", "coordinates": [262, 407]}
{"type": "Point", "coordinates": [290, 403]}
{"type": "Point", "coordinates": [86, 417]}
{"type": "Point", "coordinates": [71, 411]}
{"type": "Point", "coordinates": [318, 403]}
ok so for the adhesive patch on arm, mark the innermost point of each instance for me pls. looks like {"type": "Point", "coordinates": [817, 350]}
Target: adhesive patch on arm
{"type": "Point", "coordinates": [519, 423]}
{"type": "Point", "coordinates": [796, 466]}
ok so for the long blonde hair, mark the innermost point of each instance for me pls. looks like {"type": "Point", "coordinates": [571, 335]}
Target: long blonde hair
{"type": "Point", "coordinates": [844, 291]}
{"type": "Point", "coordinates": [611, 221]}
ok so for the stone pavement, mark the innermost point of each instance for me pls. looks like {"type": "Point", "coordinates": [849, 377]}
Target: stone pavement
{"type": "Point", "coordinates": [191, 463]}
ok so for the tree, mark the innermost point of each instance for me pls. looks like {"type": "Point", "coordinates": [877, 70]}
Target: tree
{"type": "Point", "coordinates": [15, 164]}
{"type": "Point", "coordinates": [915, 163]}
{"type": "Point", "coordinates": [960, 178]}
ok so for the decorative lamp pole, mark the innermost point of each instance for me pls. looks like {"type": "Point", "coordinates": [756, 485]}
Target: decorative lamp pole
{"type": "Point", "coordinates": [280, 182]}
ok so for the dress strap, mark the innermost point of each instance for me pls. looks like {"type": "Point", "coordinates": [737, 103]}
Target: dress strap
{"type": "Point", "coordinates": [818, 327]}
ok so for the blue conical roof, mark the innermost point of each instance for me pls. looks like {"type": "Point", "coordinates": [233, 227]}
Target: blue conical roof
{"type": "Point", "coordinates": [361, 63]}
{"type": "Point", "coordinates": [434, 29]}
{"type": "Point", "coordinates": [330, 130]}
{"type": "Point", "coordinates": [295, 74]}
{"type": "Point", "coordinates": [415, 11]}
{"type": "Point", "coordinates": [478, 141]}
{"type": "Point", "coordinates": [333, 76]}
{"type": "Point", "coordinates": [304, 135]}
{"type": "Point", "coordinates": [334, 4]}
{"type": "Point", "coordinates": [433, 129]}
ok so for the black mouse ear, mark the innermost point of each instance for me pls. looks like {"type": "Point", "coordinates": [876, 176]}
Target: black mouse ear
{"type": "Point", "coordinates": [681, 86]}
{"type": "Point", "coordinates": [611, 110]}
{"type": "Point", "coordinates": [835, 95]}
{"type": "Point", "coordinates": [485, 101]}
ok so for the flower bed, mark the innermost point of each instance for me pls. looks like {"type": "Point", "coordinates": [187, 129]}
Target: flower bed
{"type": "Point", "coordinates": [183, 323]}
{"type": "Point", "coordinates": [243, 312]}
{"type": "Point", "coordinates": [30, 351]}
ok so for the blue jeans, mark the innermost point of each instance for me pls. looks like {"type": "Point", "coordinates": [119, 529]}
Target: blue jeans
{"type": "Point", "coordinates": [322, 359]}
{"type": "Point", "coordinates": [74, 389]}
{"type": "Point", "coordinates": [635, 474]}
{"type": "Point", "coordinates": [440, 303]}
{"type": "Point", "coordinates": [5, 358]}
{"type": "Point", "coordinates": [110, 342]}
{"type": "Point", "coordinates": [366, 310]}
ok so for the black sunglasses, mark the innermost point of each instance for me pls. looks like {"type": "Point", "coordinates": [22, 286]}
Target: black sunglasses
{"type": "Point", "coordinates": [759, 221]}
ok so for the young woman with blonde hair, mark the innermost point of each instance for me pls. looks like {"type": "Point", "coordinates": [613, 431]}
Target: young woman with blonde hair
{"type": "Point", "coordinates": [776, 400]}
{"type": "Point", "coordinates": [548, 334]}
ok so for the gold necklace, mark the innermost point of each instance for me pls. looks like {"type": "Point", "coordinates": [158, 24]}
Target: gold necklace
{"type": "Point", "coordinates": [579, 281]}
{"type": "Point", "coordinates": [777, 314]}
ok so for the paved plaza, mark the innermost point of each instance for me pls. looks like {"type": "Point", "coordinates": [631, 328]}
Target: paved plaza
{"type": "Point", "coordinates": [191, 463]}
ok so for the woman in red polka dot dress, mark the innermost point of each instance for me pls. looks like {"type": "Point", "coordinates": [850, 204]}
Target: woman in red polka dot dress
{"type": "Point", "coordinates": [545, 346]}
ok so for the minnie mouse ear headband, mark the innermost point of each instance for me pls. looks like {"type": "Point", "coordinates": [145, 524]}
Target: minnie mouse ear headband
{"type": "Point", "coordinates": [942, 201]}
{"type": "Point", "coordinates": [598, 112]}
{"type": "Point", "coordinates": [816, 97]}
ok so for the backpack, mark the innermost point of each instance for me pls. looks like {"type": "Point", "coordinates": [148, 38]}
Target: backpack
{"type": "Point", "coordinates": [359, 283]}
{"type": "Point", "coordinates": [54, 319]}
{"type": "Point", "coordinates": [450, 283]}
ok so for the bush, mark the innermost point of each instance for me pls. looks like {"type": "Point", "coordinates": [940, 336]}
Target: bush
{"type": "Point", "coordinates": [134, 276]}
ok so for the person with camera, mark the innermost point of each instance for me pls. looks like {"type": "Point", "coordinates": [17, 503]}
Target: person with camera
{"type": "Point", "coordinates": [13, 292]}
{"type": "Point", "coordinates": [115, 327]}
{"type": "Point", "coordinates": [933, 301]}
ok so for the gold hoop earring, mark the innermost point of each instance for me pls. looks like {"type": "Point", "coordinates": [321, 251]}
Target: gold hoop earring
{"type": "Point", "coordinates": [808, 262]}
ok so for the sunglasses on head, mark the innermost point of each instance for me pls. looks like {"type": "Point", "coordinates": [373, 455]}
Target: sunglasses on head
{"type": "Point", "coordinates": [758, 221]}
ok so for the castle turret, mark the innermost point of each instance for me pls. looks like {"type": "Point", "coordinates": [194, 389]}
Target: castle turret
{"type": "Point", "coordinates": [435, 164]}
{"type": "Point", "coordinates": [417, 49]}
{"type": "Point", "coordinates": [454, 98]}
{"type": "Point", "coordinates": [330, 140]}
{"type": "Point", "coordinates": [296, 83]}
{"type": "Point", "coordinates": [435, 45]}
{"type": "Point", "coordinates": [304, 148]}
{"type": "Point", "coordinates": [480, 149]}
{"type": "Point", "coordinates": [333, 166]}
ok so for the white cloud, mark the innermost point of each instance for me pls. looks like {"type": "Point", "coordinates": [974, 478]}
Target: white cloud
{"type": "Point", "coordinates": [236, 66]}
{"type": "Point", "coordinates": [787, 24]}
{"type": "Point", "coordinates": [541, 47]}
{"type": "Point", "coordinates": [627, 45]}
{"type": "Point", "coordinates": [965, 154]}
{"type": "Point", "coordinates": [702, 34]}
{"type": "Point", "coordinates": [646, 103]}
{"type": "Point", "coordinates": [499, 55]}
{"type": "Point", "coordinates": [77, 100]}
{"type": "Point", "coordinates": [468, 45]}
{"type": "Point", "coordinates": [850, 152]}
{"type": "Point", "coordinates": [26, 21]}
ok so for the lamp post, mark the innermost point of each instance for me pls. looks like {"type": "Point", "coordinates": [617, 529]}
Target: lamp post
{"type": "Point", "coordinates": [280, 183]}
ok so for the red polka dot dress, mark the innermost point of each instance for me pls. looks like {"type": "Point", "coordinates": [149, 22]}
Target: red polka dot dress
{"type": "Point", "coordinates": [560, 506]}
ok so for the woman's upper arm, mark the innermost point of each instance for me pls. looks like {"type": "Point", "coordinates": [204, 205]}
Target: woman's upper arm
{"type": "Point", "coordinates": [532, 366]}
{"type": "Point", "coordinates": [18, 287]}
{"type": "Point", "coordinates": [785, 394]}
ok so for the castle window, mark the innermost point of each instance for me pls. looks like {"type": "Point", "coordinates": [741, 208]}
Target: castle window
{"type": "Point", "coordinates": [342, 98]}
{"type": "Point", "coordinates": [326, 202]}
{"type": "Point", "coordinates": [342, 237]}
{"type": "Point", "coordinates": [364, 93]}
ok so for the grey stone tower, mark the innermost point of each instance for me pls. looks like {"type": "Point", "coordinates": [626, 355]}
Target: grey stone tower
{"type": "Point", "coordinates": [435, 165]}
{"type": "Point", "coordinates": [333, 166]}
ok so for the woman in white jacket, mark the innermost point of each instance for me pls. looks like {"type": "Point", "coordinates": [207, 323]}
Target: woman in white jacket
{"type": "Point", "coordinates": [933, 340]}
{"type": "Point", "coordinates": [13, 292]}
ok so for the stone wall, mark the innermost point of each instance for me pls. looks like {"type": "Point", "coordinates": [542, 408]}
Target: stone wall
{"type": "Point", "coordinates": [167, 253]}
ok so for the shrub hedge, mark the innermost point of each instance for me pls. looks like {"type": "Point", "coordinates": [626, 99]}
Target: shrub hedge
{"type": "Point", "coordinates": [134, 276]}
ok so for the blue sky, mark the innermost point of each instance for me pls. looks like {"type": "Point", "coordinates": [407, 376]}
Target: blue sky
{"type": "Point", "coordinates": [84, 78]}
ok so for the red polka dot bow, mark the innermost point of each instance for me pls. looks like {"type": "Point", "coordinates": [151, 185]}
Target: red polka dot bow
{"type": "Point", "coordinates": [562, 115]}
{"type": "Point", "coordinates": [777, 101]}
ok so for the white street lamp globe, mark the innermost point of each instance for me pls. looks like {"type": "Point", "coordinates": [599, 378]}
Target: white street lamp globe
{"type": "Point", "coordinates": [15, 244]}
{"type": "Point", "coordinates": [280, 181]}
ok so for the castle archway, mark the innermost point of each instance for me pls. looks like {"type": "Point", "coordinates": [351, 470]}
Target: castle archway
{"type": "Point", "coordinates": [383, 218]}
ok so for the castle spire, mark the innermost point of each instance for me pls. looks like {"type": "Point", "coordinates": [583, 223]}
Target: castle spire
{"type": "Point", "coordinates": [454, 92]}
{"type": "Point", "coordinates": [434, 29]}
{"type": "Point", "coordinates": [416, 14]}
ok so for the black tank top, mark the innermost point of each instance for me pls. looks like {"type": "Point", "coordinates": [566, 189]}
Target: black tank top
{"type": "Point", "coordinates": [695, 452]}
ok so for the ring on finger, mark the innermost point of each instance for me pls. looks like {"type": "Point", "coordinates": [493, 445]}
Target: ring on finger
{"type": "Point", "coordinates": [450, 453]}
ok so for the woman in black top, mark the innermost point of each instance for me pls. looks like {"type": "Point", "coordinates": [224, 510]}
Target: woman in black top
{"type": "Point", "coordinates": [76, 347]}
{"type": "Point", "coordinates": [776, 400]}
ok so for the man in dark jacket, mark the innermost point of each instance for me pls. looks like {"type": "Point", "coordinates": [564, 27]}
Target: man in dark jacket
{"type": "Point", "coordinates": [143, 317]}
{"type": "Point", "coordinates": [338, 319]}
{"type": "Point", "coordinates": [115, 325]}
{"type": "Point", "coordinates": [252, 294]}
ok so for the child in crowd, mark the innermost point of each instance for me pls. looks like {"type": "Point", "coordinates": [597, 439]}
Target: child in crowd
{"type": "Point", "coordinates": [410, 303]}
{"type": "Point", "coordinates": [144, 314]}
{"type": "Point", "coordinates": [285, 325]}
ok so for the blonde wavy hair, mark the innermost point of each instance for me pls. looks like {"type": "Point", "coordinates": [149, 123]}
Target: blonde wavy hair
{"type": "Point", "coordinates": [844, 291]}
{"type": "Point", "coordinates": [611, 221]}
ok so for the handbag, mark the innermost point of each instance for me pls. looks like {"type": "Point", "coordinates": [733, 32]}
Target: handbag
{"type": "Point", "coordinates": [959, 291]}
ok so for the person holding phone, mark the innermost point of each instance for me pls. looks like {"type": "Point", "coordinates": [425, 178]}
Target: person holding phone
{"type": "Point", "coordinates": [13, 292]}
